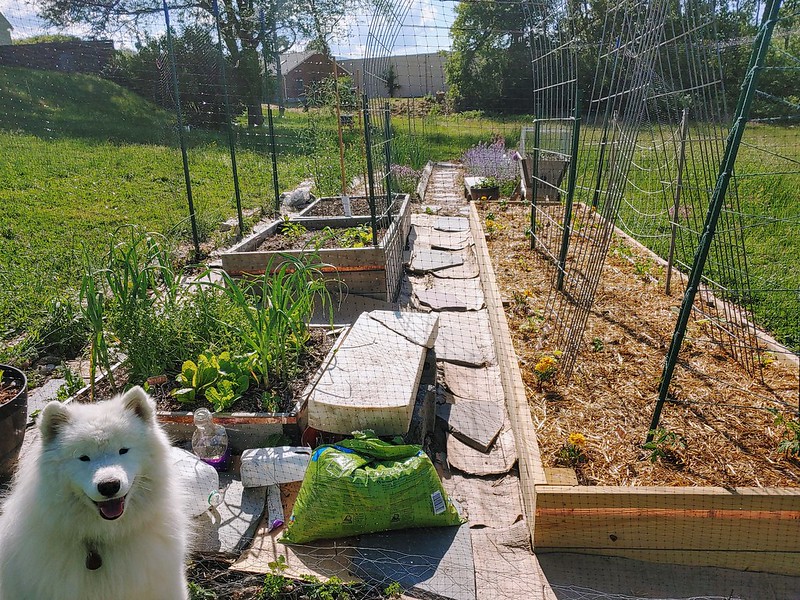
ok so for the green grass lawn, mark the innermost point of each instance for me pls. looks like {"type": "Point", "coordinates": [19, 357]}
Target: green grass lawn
{"type": "Point", "coordinates": [82, 157]}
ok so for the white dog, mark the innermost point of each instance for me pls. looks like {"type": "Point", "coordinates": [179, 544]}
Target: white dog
{"type": "Point", "coordinates": [94, 513]}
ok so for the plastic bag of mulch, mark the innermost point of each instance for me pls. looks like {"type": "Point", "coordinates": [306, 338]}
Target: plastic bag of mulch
{"type": "Point", "coordinates": [366, 485]}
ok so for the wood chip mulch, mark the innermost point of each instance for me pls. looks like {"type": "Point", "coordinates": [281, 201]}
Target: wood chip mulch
{"type": "Point", "coordinates": [721, 412]}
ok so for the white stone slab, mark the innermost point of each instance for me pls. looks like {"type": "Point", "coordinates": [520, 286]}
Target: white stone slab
{"type": "Point", "coordinates": [465, 338]}
{"type": "Point", "coordinates": [370, 382]}
{"type": "Point", "coordinates": [481, 384]}
{"type": "Point", "coordinates": [452, 224]}
{"type": "Point", "coordinates": [418, 328]}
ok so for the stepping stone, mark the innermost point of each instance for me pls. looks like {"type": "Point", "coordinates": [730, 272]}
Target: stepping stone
{"type": "Point", "coordinates": [500, 458]}
{"type": "Point", "coordinates": [230, 527]}
{"type": "Point", "coordinates": [452, 224]}
{"type": "Point", "coordinates": [474, 423]}
{"type": "Point", "coordinates": [423, 220]}
{"type": "Point", "coordinates": [481, 384]}
{"type": "Point", "coordinates": [486, 501]}
{"type": "Point", "coordinates": [420, 329]}
{"type": "Point", "coordinates": [465, 338]}
{"type": "Point", "coordinates": [371, 375]}
{"type": "Point", "coordinates": [431, 562]}
{"type": "Point", "coordinates": [448, 294]}
{"type": "Point", "coordinates": [424, 261]}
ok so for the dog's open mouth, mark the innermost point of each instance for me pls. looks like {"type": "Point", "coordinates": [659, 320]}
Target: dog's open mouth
{"type": "Point", "coordinates": [111, 509]}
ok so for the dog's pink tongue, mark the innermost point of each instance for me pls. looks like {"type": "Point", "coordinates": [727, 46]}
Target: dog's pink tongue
{"type": "Point", "coordinates": [111, 509]}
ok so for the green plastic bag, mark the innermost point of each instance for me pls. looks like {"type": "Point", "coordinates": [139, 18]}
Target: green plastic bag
{"type": "Point", "coordinates": [366, 485]}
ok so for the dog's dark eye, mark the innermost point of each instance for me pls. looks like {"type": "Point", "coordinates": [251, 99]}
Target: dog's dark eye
{"type": "Point", "coordinates": [84, 458]}
{"type": "Point", "coordinates": [123, 450]}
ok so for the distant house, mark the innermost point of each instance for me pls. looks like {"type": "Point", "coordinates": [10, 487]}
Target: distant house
{"type": "Point", "coordinates": [5, 31]}
{"type": "Point", "coordinates": [299, 70]}
{"type": "Point", "coordinates": [416, 74]}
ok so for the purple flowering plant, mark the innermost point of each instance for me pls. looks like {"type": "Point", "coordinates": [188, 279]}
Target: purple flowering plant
{"type": "Point", "coordinates": [492, 160]}
{"type": "Point", "coordinates": [405, 177]}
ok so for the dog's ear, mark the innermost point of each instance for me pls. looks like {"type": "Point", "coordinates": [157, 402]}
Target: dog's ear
{"type": "Point", "coordinates": [52, 420]}
{"type": "Point", "coordinates": [137, 400]}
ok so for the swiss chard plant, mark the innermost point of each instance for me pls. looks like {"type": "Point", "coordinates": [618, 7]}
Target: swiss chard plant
{"type": "Point", "coordinates": [221, 379]}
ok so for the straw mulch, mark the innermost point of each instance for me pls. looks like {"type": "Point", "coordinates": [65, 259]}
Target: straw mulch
{"type": "Point", "coordinates": [719, 432]}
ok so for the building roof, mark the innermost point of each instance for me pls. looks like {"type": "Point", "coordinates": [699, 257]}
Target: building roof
{"type": "Point", "coordinates": [292, 60]}
{"type": "Point", "coordinates": [4, 24]}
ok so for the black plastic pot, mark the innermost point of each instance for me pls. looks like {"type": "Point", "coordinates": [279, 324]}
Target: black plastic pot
{"type": "Point", "coordinates": [13, 418]}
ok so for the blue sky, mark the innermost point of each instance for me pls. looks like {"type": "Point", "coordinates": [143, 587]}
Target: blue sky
{"type": "Point", "coordinates": [425, 28]}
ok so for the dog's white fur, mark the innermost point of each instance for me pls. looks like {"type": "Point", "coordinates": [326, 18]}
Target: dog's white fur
{"type": "Point", "coordinates": [51, 522]}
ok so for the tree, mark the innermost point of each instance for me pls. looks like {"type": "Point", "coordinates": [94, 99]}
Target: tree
{"type": "Point", "coordinates": [489, 67]}
{"type": "Point", "coordinates": [244, 26]}
{"type": "Point", "coordinates": [390, 77]}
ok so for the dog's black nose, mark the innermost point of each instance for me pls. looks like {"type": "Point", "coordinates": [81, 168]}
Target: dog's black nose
{"type": "Point", "coordinates": [108, 487]}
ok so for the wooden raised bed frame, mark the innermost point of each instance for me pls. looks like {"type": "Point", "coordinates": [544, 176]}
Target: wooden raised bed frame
{"type": "Point", "coordinates": [752, 529]}
{"type": "Point", "coordinates": [373, 271]}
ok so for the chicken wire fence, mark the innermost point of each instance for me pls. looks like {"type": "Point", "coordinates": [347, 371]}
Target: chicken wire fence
{"type": "Point", "coordinates": [583, 118]}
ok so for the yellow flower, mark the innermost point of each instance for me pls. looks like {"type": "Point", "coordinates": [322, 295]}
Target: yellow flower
{"type": "Point", "coordinates": [545, 363]}
{"type": "Point", "coordinates": [577, 439]}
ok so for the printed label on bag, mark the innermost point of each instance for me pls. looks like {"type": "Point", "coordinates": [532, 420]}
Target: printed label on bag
{"type": "Point", "coordinates": [438, 503]}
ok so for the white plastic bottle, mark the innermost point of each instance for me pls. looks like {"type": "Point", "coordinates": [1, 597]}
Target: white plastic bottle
{"type": "Point", "coordinates": [210, 441]}
{"type": "Point", "coordinates": [198, 480]}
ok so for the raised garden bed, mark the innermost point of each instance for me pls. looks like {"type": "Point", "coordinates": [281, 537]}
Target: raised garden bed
{"type": "Point", "coordinates": [732, 500]}
{"type": "Point", "coordinates": [372, 271]}
{"type": "Point", "coordinates": [248, 424]}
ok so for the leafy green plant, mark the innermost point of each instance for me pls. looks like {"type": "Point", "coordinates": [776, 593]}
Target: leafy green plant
{"type": "Point", "coordinates": [275, 586]}
{"type": "Point", "coordinates": [597, 344]}
{"type": "Point", "coordinates": [393, 590]}
{"type": "Point", "coordinates": [221, 379]}
{"type": "Point", "coordinates": [666, 445]}
{"type": "Point", "coordinates": [292, 230]}
{"type": "Point", "coordinates": [356, 237]}
{"type": "Point", "coordinates": [790, 445]}
{"type": "Point", "coordinates": [197, 592]}
{"type": "Point", "coordinates": [93, 309]}
{"type": "Point", "coordinates": [275, 310]}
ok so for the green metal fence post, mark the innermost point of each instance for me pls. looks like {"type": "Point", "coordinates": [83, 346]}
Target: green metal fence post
{"type": "Point", "coordinates": [273, 153]}
{"type": "Point", "coordinates": [573, 169]}
{"type": "Point", "coordinates": [387, 140]}
{"type": "Point", "coordinates": [537, 125]}
{"type": "Point", "coordinates": [181, 133]}
{"type": "Point", "coordinates": [228, 118]}
{"type": "Point", "coordinates": [370, 172]}
{"type": "Point", "coordinates": [748, 90]}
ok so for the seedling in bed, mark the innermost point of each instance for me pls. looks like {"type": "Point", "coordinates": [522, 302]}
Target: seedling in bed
{"type": "Point", "coordinates": [666, 445]}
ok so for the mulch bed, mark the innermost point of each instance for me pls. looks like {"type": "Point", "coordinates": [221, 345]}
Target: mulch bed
{"type": "Point", "coordinates": [731, 438]}
{"type": "Point", "coordinates": [334, 208]}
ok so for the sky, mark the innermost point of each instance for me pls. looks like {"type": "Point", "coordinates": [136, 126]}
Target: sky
{"type": "Point", "coordinates": [425, 28]}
